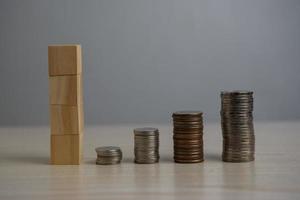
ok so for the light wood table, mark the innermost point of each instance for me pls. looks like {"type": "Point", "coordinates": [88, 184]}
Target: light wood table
{"type": "Point", "coordinates": [26, 174]}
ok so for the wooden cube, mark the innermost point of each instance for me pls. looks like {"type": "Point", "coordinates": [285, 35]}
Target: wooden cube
{"type": "Point", "coordinates": [65, 90]}
{"type": "Point", "coordinates": [64, 60]}
{"type": "Point", "coordinates": [66, 120]}
{"type": "Point", "coordinates": [66, 149]}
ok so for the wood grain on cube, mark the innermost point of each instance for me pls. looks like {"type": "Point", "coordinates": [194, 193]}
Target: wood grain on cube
{"type": "Point", "coordinates": [64, 60]}
{"type": "Point", "coordinates": [66, 149]}
{"type": "Point", "coordinates": [65, 90]}
{"type": "Point", "coordinates": [66, 119]}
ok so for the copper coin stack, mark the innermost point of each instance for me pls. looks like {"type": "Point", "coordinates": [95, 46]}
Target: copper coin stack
{"type": "Point", "coordinates": [188, 136]}
{"type": "Point", "coordinates": [237, 126]}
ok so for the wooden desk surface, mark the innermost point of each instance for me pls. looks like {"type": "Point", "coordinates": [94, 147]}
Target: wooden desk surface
{"type": "Point", "coordinates": [26, 174]}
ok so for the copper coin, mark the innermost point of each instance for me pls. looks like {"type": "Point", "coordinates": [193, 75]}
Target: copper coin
{"type": "Point", "coordinates": [188, 122]}
{"type": "Point", "coordinates": [183, 153]}
{"type": "Point", "coordinates": [188, 132]}
{"type": "Point", "coordinates": [187, 142]}
{"type": "Point", "coordinates": [188, 146]}
{"type": "Point", "coordinates": [188, 157]}
{"type": "Point", "coordinates": [187, 127]}
{"type": "Point", "coordinates": [188, 161]}
{"type": "Point", "coordinates": [187, 136]}
{"type": "Point", "coordinates": [187, 119]}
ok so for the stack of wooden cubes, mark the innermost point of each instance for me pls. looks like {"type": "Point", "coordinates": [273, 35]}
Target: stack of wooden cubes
{"type": "Point", "coordinates": [66, 104]}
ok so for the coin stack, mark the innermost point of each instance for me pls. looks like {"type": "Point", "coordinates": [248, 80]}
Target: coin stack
{"type": "Point", "coordinates": [188, 136]}
{"type": "Point", "coordinates": [146, 145]}
{"type": "Point", "coordinates": [237, 126]}
{"type": "Point", "coordinates": [108, 155]}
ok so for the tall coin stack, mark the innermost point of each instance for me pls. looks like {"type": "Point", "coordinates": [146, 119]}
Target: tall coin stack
{"type": "Point", "coordinates": [108, 155]}
{"type": "Point", "coordinates": [237, 126]}
{"type": "Point", "coordinates": [188, 136]}
{"type": "Point", "coordinates": [146, 145]}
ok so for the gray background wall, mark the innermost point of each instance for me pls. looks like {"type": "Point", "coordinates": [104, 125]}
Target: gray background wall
{"type": "Point", "coordinates": [144, 59]}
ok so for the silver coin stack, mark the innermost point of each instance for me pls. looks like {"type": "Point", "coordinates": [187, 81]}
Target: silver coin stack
{"type": "Point", "coordinates": [146, 145]}
{"type": "Point", "coordinates": [237, 126]}
{"type": "Point", "coordinates": [108, 155]}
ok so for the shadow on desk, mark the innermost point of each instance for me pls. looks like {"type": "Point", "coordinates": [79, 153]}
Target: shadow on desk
{"type": "Point", "coordinates": [25, 159]}
{"type": "Point", "coordinates": [40, 159]}
{"type": "Point", "coordinates": [126, 160]}
{"type": "Point", "coordinates": [212, 157]}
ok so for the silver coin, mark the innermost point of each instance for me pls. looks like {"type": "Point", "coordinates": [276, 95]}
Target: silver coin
{"type": "Point", "coordinates": [107, 149]}
{"type": "Point", "coordinates": [145, 131]}
{"type": "Point", "coordinates": [188, 113]}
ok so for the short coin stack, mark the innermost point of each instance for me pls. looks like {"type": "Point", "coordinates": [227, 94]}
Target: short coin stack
{"type": "Point", "coordinates": [237, 126]}
{"type": "Point", "coordinates": [108, 155]}
{"type": "Point", "coordinates": [188, 136]}
{"type": "Point", "coordinates": [146, 145]}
